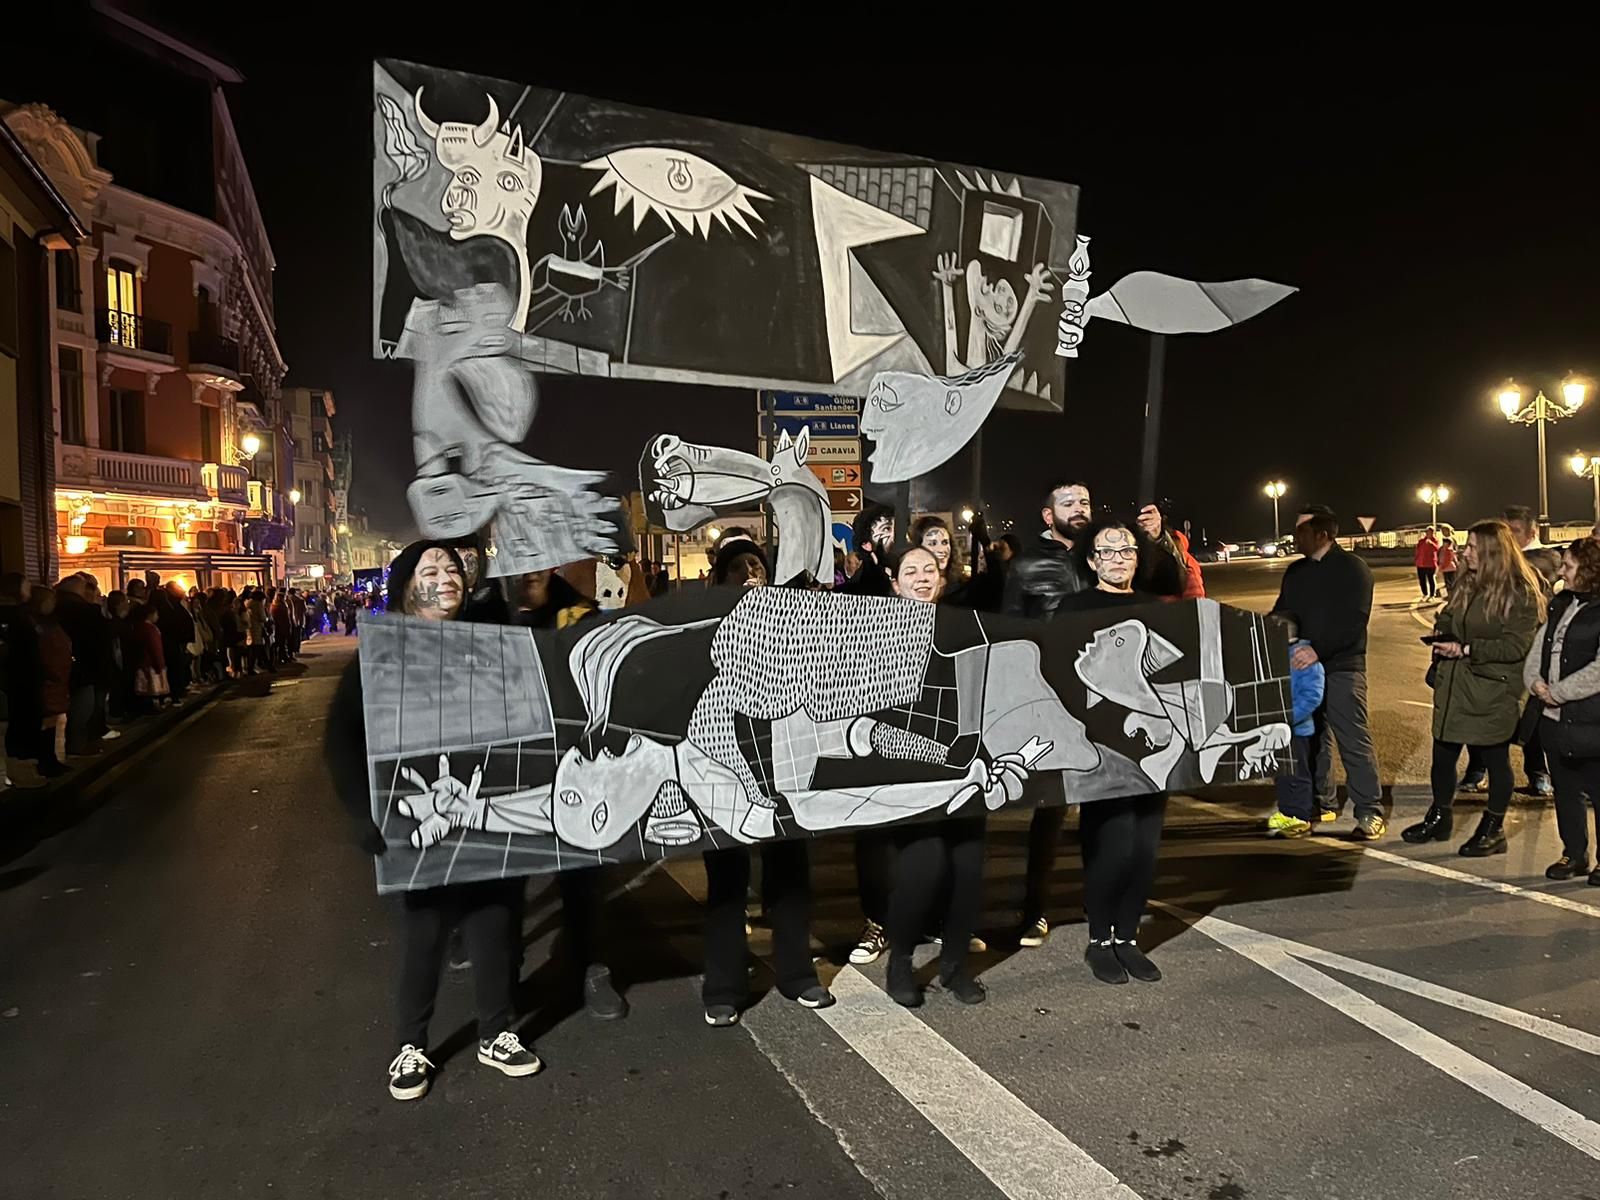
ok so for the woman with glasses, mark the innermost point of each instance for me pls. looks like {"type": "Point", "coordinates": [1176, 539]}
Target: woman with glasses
{"type": "Point", "coordinates": [1120, 836]}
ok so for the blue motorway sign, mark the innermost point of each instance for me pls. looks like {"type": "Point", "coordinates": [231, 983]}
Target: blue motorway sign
{"type": "Point", "coordinates": [787, 403]}
{"type": "Point", "coordinates": [825, 426]}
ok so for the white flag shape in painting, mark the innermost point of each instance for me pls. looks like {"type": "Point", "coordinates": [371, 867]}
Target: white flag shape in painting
{"type": "Point", "coordinates": [1160, 303]}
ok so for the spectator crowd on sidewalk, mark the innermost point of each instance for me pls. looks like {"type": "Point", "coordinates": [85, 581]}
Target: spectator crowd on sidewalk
{"type": "Point", "coordinates": [77, 665]}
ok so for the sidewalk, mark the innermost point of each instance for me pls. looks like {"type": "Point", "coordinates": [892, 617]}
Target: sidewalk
{"type": "Point", "coordinates": [21, 808]}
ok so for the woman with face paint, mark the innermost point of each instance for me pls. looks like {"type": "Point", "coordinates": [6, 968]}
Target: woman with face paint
{"type": "Point", "coordinates": [785, 875]}
{"type": "Point", "coordinates": [934, 534]}
{"type": "Point", "coordinates": [426, 580]}
{"type": "Point", "coordinates": [935, 860]}
{"type": "Point", "coordinates": [1121, 836]}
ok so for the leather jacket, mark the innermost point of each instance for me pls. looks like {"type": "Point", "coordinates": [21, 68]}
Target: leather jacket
{"type": "Point", "coordinates": [1042, 576]}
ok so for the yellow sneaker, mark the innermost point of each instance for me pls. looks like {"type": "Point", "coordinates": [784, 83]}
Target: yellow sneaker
{"type": "Point", "coordinates": [1282, 825]}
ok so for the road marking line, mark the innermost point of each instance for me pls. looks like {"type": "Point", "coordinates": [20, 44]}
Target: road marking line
{"type": "Point", "coordinates": [1516, 1018]}
{"type": "Point", "coordinates": [1428, 868]}
{"type": "Point", "coordinates": [1020, 1152]}
{"type": "Point", "coordinates": [1275, 955]}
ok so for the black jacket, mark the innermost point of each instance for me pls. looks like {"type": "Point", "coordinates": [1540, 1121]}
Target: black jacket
{"type": "Point", "coordinates": [345, 753]}
{"type": "Point", "coordinates": [1579, 736]}
{"type": "Point", "coordinates": [1042, 576]}
{"type": "Point", "coordinates": [1331, 602]}
{"type": "Point", "coordinates": [90, 631]}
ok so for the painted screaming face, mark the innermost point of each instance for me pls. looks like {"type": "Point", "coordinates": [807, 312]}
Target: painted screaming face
{"type": "Point", "coordinates": [883, 532]}
{"type": "Point", "coordinates": [598, 799]}
{"type": "Point", "coordinates": [469, 565]}
{"type": "Point", "coordinates": [918, 577]}
{"type": "Point", "coordinates": [917, 422]}
{"type": "Point", "coordinates": [436, 588]}
{"type": "Point", "coordinates": [936, 540]}
{"type": "Point", "coordinates": [994, 303]}
{"type": "Point", "coordinates": [1115, 558]}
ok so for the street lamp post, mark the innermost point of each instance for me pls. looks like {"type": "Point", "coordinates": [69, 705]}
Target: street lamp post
{"type": "Point", "coordinates": [1433, 494]}
{"type": "Point", "coordinates": [1276, 489]}
{"type": "Point", "coordinates": [1587, 466]}
{"type": "Point", "coordinates": [1538, 412]}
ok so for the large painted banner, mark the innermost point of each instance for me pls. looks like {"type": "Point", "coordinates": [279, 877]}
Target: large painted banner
{"type": "Point", "coordinates": [640, 244]}
{"type": "Point", "coordinates": [726, 717]}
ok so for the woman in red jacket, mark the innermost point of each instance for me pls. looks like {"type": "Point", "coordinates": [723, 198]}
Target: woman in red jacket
{"type": "Point", "coordinates": [55, 683]}
{"type": "Point", "coordinates": [150, 676]}
{"type": "Point", "coordinates": [1427, 561]}
{"type": "Point", "coordinates": [1447, 562]}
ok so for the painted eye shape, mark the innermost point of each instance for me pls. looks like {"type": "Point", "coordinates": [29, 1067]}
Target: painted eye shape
{"type": "Point", "coordinates": [1121, 642]}
{"type": "Point", "coordinates": [509, 182]}
{"type": "Point", "coordinates": [469, 177]}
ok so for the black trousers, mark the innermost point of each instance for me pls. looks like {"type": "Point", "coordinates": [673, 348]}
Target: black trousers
{"type": "Point", "coordinates": [786, 895]}
{"type": "Point", "coordinates": [485, 912]}
{"type": "Point", "coordinates": [1494, 759]}
{"type": "Point", "coordinates": [938, 881]}
{"type": "Point", "coordinates": [581, 901]}
{"type": "Point", "coordinates": [1426, 581]}
{"type": "Point", "coordinates": [874, 871]}
{"type": "Point", "coordinates": [1120, 842]}
{"type": "Point", "coordinates": [1576, 781]}
{"type": "Point", "coordinates": [1044, 838]}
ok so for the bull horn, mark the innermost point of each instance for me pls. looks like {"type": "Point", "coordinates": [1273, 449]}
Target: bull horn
{"type": "Point", "coordinates": [482, 134]}
{"type": "Point", "coordinates": [429, 127]}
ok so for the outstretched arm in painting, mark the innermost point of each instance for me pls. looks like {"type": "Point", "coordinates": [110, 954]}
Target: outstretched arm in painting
{"type": "Point", "coordinates": [1038, 289]}
{"type": "Point", "coordinates": [447, 804]}
{"type": "Point", "coordinates": [946, 273]}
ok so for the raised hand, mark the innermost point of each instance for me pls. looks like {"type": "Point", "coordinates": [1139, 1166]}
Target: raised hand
{"type": "Point", "coordinates": [442, 805]}
{"type": "Point", "coordinates": [945, 269]}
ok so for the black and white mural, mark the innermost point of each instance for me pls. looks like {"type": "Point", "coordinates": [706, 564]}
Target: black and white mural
{"type": "Point", "coordinates": [723, 717]}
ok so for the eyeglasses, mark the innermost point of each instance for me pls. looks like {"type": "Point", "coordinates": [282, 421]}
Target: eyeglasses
{"type": "Point", "coordinates": [1124, 553]}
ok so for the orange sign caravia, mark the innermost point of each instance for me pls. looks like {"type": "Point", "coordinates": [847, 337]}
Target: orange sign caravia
{"type": "Point", "coordinates": [844, 475]}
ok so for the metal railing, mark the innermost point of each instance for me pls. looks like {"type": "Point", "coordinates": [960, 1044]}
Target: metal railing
{"type": "Point", "coordinates": [214, 350]}
{"type": "Point", "coordinates": [116, 471]}
{"type": "Point", "coordinates": [130, 331]}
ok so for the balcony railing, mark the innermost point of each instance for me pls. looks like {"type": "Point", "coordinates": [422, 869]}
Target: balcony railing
{"type": "Point", "coordinates": [227, 484]}
{"type": "Point", "coordinates": [130, 331]}
{"type": "Point", "coordinates": [146, 474]}
{"type": "Point", "coordinates": [214, 350]}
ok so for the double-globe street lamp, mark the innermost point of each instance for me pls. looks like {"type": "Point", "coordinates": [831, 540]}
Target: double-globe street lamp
{"type": "Point", "coordinates": [1537, 412]}
{"type": "Point", "coordinates": [1433, 494]}
{"type": "Point", "coordinates": [1275, 490]}
{"type": "Point", "coordinates": [1587, 466]}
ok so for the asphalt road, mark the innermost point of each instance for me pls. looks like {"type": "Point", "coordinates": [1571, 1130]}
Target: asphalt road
{"type": "Point", "coordinates": [195, 978]}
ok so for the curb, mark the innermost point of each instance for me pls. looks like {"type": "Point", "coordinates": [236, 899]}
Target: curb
{"type": "Point", "coordinates": [21, 806]}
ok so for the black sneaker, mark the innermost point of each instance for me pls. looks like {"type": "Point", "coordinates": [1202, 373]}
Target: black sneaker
{"type": "Point", "coordinates": [1103, 961]}
{"type": "Point", "coordinates": [965, 988]}
{"type": "Point", "coordinates": [602, 1000]}
{"type": "Point", "coordinates": [509, 1056]}
{"type": "Point", "coordinates": [1566, 868]}
{"type": "Point", "coordinates": [1135, 961]}
{"type": "Point", "coordinates": [410, 1074]}
{"type": "Point", "coordinates": [720, 1016]}
{"type": "Point", "coordinates": [816, 997]}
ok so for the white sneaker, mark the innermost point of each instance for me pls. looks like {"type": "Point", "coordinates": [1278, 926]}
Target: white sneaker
{"type": "Point", "coordinates": [111, 735]}
{"type": "Point", "coordinates": [509, 1056]}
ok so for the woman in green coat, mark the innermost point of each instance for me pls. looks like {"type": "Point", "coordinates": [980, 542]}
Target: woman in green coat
{"type": "Point", "coordinates": [1480, 640]}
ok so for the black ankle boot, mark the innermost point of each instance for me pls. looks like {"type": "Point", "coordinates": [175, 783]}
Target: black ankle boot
{"type": "Point", "coordinates": [903, 988]}
{"type": "Point", "coordinates": [964, 987]}
{"type": "Point", "coordinates": [1102, 960]}
{"type": "Point", "coordinates": [1435, 827]}
{"type": "Point", "coordinates": [1489, 839]}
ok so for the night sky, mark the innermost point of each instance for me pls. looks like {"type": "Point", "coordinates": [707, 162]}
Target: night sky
{"type": "Point", "coordinates": [1436, 207]}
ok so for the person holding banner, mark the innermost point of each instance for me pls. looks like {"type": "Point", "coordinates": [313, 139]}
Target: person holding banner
{"type": "Point", "coordinates": [427, 580]}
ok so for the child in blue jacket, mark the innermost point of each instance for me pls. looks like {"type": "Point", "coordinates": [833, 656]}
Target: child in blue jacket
{"type": "Point", "coordinates": [1296, 791]}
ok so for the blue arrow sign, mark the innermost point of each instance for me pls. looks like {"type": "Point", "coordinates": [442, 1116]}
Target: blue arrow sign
{"type": "Point", "coordinates": [811, 403]}
{"type": "Point", "coordinates": [829, 426]}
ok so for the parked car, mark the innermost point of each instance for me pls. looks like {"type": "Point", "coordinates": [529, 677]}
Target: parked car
{"type": "Point", "coordinates": [1276, 548]}
{"type": "Point", "coordinates": [1214, 550]}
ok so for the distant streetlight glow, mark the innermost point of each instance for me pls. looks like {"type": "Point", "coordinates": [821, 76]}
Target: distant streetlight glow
{"type": "Point", "coordinates": [294, 495]}
{"type": "Point", "coordinates": [250, 444]}
{"type": "Point", "coordinates": [1275, 490]}
{"type": "Point", "coordinates": [1539, 412]}
{"type": "Point", "coordinates": [77, 543]}
{"type": "Point", "coordinates": [180, 545]}
{"type": "Point", "coordinates": [316, 570]}
{"type": "Point", "coordinates": [1587, 466]}
{"type": "Point", "coordinates": [967, 514]}
{"type": "Point", "coordinates": [1433, 494]}
{"type": "Point", "coordinates": [713, 533]}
